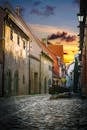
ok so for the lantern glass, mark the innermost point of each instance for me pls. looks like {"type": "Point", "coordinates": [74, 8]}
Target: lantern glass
{"type": "Point", "coordinates": [79, 52]}
{"type": "Point", "coordinates": [80, 17]}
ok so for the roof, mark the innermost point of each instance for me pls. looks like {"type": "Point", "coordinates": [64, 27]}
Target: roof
{"type": "Point", "coordinates": [16, 19]}
{"type": "Point", "coordinates": [57, 50]}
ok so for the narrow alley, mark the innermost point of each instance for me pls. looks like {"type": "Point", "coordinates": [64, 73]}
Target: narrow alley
{"type": "Point", "coordinates": [43, 65]}
{"type": "Point", "coordinates": [38, 112]}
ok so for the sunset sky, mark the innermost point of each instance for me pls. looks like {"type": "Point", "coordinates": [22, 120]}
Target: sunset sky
{"type": "Point", "coordinates": [47, 17]}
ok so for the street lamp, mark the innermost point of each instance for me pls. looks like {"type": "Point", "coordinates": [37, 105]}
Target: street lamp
{"type": "Point", "coordinates": [81, 26]}
{"type": "Point", "coordinates": [80, 17]}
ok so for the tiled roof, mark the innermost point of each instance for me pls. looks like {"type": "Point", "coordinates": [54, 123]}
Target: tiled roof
{"type": "Point", "coordinates": [57, 50]}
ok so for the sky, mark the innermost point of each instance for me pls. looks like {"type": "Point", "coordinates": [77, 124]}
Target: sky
{"type": "Point", "coordinates": [47, 17]}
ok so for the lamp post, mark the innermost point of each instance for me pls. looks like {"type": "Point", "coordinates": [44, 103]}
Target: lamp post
{"type": "Point", "coordinates": [81, 26]}
{"type": "Point", "coordinates": [82, 67]}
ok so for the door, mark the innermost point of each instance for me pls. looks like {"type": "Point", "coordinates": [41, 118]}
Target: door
{"type": "Point", "coordinates": [8, 83]}
{"type": "Point", "coordinates": [36, 82]}
{"type": "Point", "coordinates": [16, 82]}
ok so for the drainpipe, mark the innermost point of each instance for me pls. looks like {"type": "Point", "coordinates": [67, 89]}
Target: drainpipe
{"type": "Point", "coordinates": [29, 69]}
{"type": "Point", "coordinates": [40, 77]}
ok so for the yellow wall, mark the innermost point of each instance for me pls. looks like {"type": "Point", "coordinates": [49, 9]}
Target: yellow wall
{"type": "Point", "coordinates": [16, 59]}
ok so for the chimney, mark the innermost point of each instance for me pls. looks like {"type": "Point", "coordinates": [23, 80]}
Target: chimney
{"type": "Point", "coordinates": [17, 10]}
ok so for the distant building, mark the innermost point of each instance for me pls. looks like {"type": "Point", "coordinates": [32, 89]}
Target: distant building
{"type": "Point", "coordinates": [40, 67]}
{"type": "Point", "coordinates": [57, 51]}
{"type": "Point", "coordinates": [70, 74]}
{"type": "Point", "coordinates": [70, 68]}
{"type": "Point", "coordinates": [59, 68]}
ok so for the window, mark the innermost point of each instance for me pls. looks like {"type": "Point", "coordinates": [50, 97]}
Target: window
{"type": "Point", "coordinates": [24, 44]}
{"type": "Point", "coordinates": [11, 34]}
{"type": "Point", "coordinates": [50, 68]}
{"type": "Point", "coordinates": [49, 83]}
{"type": "Point", "coordinates": [36, 82]}
{"type": "Point", "coordinates": [18, 39]}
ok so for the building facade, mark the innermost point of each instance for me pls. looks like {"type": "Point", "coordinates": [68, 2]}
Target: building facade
{"type": "Point", "coordinates": [14, 57]}
{"type": "Point", "coordinates": [82, 17]}
{"type": "Point", "coordinates": [24, 69]}
{"type": "Point", "coordinates": [40, 67]}
{"type": "Point", "coordinates": [46, 72]}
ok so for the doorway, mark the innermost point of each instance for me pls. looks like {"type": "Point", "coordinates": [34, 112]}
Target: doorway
{"type": "Point", "coordinates": [8, 83]}
{"type": "Point", "coordinates": [16, 82]}
{"type": "Point", "coordinates": [36, 82]}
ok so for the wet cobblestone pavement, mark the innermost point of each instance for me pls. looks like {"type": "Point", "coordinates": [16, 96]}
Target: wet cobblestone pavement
{"type": "Point", "coordinates": [40, 113]}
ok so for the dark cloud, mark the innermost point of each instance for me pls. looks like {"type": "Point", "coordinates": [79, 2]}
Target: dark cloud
{"type": "Point", "coordinates": [43, 11]}
{"type": "Point", "coordinates": [36, 3]}
{"type": "Point", "coordinates": [63, 36]}
{"type": "Point", "coordinates": [36, 12]}
{"type": "Point", "coordinates": [49, 10]}
{"type": "Point", "coordinates": [58, 35]}
{"type": "Point", "coordinates": [76, 1]}
{"type": "Point", "coordinates": [70, 38]}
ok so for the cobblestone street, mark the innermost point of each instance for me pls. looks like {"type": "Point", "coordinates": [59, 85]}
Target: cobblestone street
{"type": "Point", "coordinates": [38, 112]}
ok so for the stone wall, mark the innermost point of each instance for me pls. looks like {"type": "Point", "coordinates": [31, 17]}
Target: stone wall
{"type": "Point", "coordinates": [84, 64]}
{"type": "Point", "coordinates": [46, 74]}
{"type": "Point", "coordinates": [16, 62]}
{"type": "Point", "coordinates": [34, 75]}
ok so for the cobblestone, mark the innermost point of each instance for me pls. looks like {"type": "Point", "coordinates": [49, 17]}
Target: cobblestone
{"type": "Point", "coordinates": [40, 113]}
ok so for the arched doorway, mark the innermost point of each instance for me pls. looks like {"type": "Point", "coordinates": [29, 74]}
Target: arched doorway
{"type": "Point", "coordinates": [8, 82]}
{"type": "Point", "coordinates": [16, 82]}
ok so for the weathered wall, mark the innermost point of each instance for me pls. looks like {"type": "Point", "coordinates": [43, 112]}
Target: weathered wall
{"type": "Point", "coordinates": [46, 74]}
{"type": "Point", "coordinates": [34, 75]}
{"type": "Point", "coordinates": [16, 63]}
